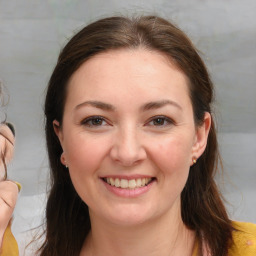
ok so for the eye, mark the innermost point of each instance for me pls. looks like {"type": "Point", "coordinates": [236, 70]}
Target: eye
{"type": "Point", "coordinates": [94, 121]}
{"type": "Point", "coordinates": [160, 121]}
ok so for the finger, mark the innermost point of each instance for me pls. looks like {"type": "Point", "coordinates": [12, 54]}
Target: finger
{"type": "Point", "coordinates": [9, 193]}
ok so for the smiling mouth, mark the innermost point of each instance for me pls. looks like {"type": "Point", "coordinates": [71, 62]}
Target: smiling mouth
{"type": "Point", "coordinates": [128, 184]}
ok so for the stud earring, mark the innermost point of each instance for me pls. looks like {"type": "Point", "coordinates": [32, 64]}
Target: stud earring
{"type": "Point", "coordinates": [194, 160]}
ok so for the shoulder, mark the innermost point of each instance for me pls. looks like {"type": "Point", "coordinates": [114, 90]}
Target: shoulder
{"type": "Point", "coordinates": [244, 239]}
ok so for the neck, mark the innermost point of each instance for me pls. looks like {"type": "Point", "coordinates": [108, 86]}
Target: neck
{"type": "Point", "coordinates": [165, 236]}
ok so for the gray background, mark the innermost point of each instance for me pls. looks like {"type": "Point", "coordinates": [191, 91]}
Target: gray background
{"type": "Point", "coordinates": [32, 32]}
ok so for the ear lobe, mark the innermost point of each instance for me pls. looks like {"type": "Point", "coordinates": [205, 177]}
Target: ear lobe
{"type": "Point", "coordinates": [57, 130]}
{"type": "Point", "coordinates": [202, 133]}
{"type": "Point", "coordinates": [62, 159]}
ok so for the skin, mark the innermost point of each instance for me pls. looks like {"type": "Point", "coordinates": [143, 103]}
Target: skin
{"type": "Point", "coordinates": [6, 146]}
{"type": "Point", "coordinates": [8, 189]}
{"type": "Point", "coordinates": [147, 129]}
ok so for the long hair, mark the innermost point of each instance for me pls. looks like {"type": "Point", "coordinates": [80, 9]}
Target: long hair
{"type": "Point", "coordinates": [67, 217]}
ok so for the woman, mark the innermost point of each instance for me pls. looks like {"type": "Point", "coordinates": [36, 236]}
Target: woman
{"type": "Point", "coordinates": [8, 192]}
{"type": "Point", "coordinates": [132, 147]}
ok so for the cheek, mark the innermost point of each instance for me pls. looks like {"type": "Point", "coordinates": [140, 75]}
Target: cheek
{"type": "Point", "coordinates": [172, 155]}
{"type": "Point", "coordinates": [172, 160]}
{"type": "Point", "coordinates": [86, 154]}
{"type": "Point", "coordinates": [84, 157]}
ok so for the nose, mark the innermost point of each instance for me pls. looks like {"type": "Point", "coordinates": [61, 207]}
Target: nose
{"type": "Point", "coordinates": [127, 148]}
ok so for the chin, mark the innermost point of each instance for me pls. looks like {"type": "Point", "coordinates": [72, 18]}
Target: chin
{"type": "Point", "coordinates": [129, 221]}
{"type": "Point", "coordinates": [130, 215]}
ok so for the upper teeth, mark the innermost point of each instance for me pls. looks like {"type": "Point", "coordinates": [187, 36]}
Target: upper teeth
{"type": "Point", "coordinates": [131, 184]}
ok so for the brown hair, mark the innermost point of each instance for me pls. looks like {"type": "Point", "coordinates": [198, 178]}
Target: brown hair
{"type": "Point", "coordinates": [67, 218]}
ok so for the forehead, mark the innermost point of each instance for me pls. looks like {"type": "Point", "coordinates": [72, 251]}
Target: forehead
{"type": "Point", "coordinates": [127, 72]}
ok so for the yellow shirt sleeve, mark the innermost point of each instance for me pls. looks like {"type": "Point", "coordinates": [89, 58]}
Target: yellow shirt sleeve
{"type": "Point", "coordinates": [244, 239]}
{"type": "Point", "coordinates": [9, 246]}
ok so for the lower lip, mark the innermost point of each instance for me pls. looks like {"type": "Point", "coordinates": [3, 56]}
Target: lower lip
{"type": "Point", "coordinates": [130, 193]}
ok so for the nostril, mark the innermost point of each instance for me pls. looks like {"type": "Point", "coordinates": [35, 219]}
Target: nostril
{"type": "Point", "coordinates": [128, 157]}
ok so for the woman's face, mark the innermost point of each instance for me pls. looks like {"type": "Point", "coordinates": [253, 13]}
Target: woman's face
{"type": "Point", "coordinates": [128, 135]}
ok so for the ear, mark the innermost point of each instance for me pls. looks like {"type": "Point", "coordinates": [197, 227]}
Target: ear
{"type": "Point", "coordinates": [59, 133]}
{"type": "Point", "coordinates": [58, 130]}
{"type": "Point", "coordinates": [201, 137]}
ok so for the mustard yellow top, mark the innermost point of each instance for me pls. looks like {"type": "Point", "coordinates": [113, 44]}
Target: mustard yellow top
{"type": "Point", "coordinates": [9, 244]}
{"type": "Point", "coordinates": [244, 240]}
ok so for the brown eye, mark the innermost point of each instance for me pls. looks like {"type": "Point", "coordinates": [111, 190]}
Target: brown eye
{"type": "Point", "coordinates": [159, 121]}
{"type": "Point", "coordinates": [94, 121]}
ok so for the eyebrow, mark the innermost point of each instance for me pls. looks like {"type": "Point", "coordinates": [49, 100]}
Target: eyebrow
{"type": "Point", "coordinates": [97, 104]}
{"type": "Point", "coordinates": [160, 104]}
{"type": "Point", "coordinates": [145, 107]}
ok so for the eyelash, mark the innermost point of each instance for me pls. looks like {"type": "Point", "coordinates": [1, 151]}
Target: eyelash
{"type": "Point", "coordinates": [164, 121]}
{"type": "Point", "coordinates": [88, 121]}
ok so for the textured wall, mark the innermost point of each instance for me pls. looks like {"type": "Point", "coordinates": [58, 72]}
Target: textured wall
{"type": "Point", "coordinates": [32, 33]}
